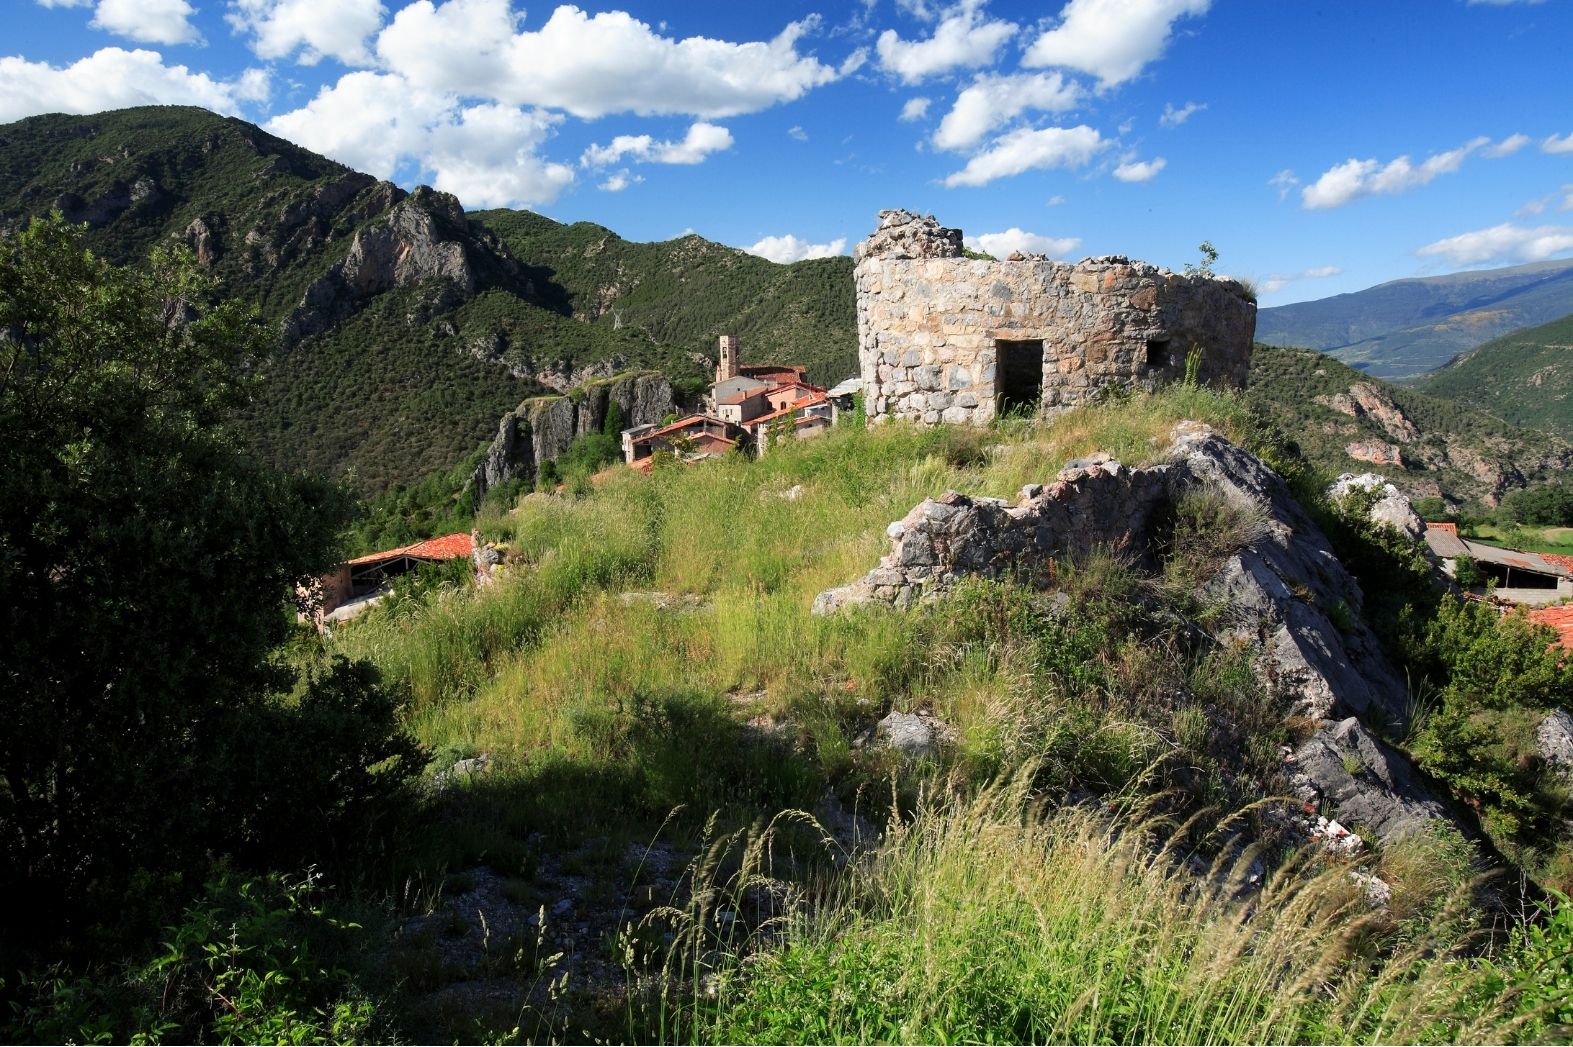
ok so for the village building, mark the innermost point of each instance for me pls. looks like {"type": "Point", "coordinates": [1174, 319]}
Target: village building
{"type": "Point", "coordinates": [691, 439]}
{"type": "Point", "coordinates": [748, 406]}
{"type": "Point", "coordinates": [947, 338]}
{"type": "Point", "coordinates": [358, 584]}
{"type": "Point", "coordinates": [1531, 579]}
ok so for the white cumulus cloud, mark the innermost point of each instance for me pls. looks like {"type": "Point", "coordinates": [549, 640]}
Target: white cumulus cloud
{"type": "Point", "coordinates": [1355, 179]}
{"type": "Point", "coordinates": [1140, 171]}
{"type": "Point", "coordinates": [594, 65]}
{"type": "Point", "coordinates": [1029, 150]}
{"type": "Point", "coordinates": [1113, 40]}
{"type": "Point", "coordinates": [1505, 243]}
{"type": "Point", "coordinates": [486, 154]}
{"type": "Point", "coordinates": [990, 102]}
{"type": "Point", "coordinates": [914, 109]}
{"type": "Point", "coordinates": [616, 183]}
{"type": "Point", "coordinates": [1173, 117]}
{"type": "Point", "coordinates": [1000, 245]}
{"type": "Point", "coordinates": [787, 249]}
{"type": "Point", "coordinates": [1278, 281]}
{"type": "Point", "coordinates": [1553, 144]}
{"type": "Point", "coordinates": [316, 29]}
{"type": "Point", "coordinates": [1507, 147]}
{"type": "Point", "coordinates": [701, 140]}
{"type": "Point", "coordinates": [114, 78]}
{"type": "Point", "coordinates": [147, 21]}
{"type": "Point", "coordinates": [963, 39]}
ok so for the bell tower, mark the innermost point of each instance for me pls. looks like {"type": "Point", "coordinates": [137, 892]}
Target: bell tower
{"type": "Point", "coordinates": [727, 368]}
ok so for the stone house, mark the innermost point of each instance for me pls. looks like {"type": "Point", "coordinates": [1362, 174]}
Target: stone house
{"type": "Point", "coordinates": [946, 338]}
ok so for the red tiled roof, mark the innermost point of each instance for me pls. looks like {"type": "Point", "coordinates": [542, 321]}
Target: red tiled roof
{"type": "Point", "coordinates": [447, 547]}
{"type": "Point", "coordinates": [797, 405]}
{"type": "Point", "coordinates": [679, 426]}
{"type": "Point", "coordinates": [796, 372]}
{"type": "Point", "coordinates": [1450, 528]}
{"type": "Point", "coordinates": [1558, 618]}
{"type": "Point", "coordinates": [1558, 559]}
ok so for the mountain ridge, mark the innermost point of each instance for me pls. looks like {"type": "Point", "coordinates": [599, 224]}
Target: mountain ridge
{"type": "Point", "coordinates": [1404, 328]}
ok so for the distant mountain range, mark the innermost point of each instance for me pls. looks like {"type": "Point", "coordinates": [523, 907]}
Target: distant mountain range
{"type": "Point", "coordinates": [1406, 328]}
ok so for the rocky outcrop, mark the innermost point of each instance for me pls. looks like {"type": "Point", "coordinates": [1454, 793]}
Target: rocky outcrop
{"type": "Point", "coordinates": [541, 429]}
{"type": "Point", "coordinates": [1288, 598]}
{"type": "Point", "coordinates": [1554, 742]}
{"type": "Point", "coordinates": [1377, 452]}
{"type": "Point", "coordinates": [1285, 587]}
{"type": "Point", "coordinates": [1388, 505]}
{"type": "Point", "coordinates": [419, 240]}
{"type": "Point", "coordinates": [1366, 401]}
{"type": "Point", "coordinates": [1345, 768]}
{"type": "Point", "coordinates": [203, 240]}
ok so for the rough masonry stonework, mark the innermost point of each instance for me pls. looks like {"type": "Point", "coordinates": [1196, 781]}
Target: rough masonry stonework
{"type": "Point", "coordinates": [945, 338]}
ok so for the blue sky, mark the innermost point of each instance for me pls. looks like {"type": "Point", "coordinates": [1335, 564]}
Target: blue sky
{"type": "Point", "coordinates": [1322, 147]}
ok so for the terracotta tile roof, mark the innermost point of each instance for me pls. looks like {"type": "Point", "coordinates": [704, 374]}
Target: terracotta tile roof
{"type": "Point", "coordinates": [786, 372]}
{"type": "Point", "coordinates": [680, 425]}
{"type": "Point", "coordinates": [797, 405]}
{"type": "Point", "coordinates": [447, 547]}
{"type": "Point", "coordinates": [1558, 559]}
{"type": "Point", "coordinates": [1558, 618]}
{"type": "Point", "coordinates": [1450, 528]}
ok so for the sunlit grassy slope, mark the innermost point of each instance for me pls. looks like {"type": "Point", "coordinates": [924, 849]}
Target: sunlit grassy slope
{"type": "Point", "coordinates": [648, 665]}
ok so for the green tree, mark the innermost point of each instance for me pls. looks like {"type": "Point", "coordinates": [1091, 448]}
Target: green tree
{"type": "Point", "coordinates": [145, 564]}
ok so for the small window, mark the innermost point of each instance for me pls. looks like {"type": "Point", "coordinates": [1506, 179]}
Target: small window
{"type": "Point", "coordinates": [1157, 352]}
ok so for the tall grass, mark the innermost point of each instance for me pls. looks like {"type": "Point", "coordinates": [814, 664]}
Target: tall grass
{"type": "Point", "coordinates": [992, 920]}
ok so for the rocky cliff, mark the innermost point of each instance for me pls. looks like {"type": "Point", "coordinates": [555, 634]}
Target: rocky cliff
{"type": "Point", "coordinates": [541, 429]}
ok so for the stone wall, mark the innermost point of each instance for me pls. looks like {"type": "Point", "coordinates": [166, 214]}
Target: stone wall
{"type": "Point", "coordinates": [930, 322]}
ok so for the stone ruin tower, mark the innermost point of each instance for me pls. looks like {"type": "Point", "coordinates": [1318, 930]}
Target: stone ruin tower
{"type": "Point", "coordinates": [943, 338]}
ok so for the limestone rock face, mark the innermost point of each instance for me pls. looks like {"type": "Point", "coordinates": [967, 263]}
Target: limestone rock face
{"type": "Point", "coordinates": [1554, 740]}
{"type": "Point", "coordinates": [203, 241]}
{"type": "Point", "coordinates": [1365, 783]}
{"type": "Point", "coordinates": [1377, 452]}
{"type": "Point", "coordinates": [1391, 507]}
{"type": "Point", "coordinates": [417, 241]}
{"type": "Point", "coordinates": [1373, 403]}
{"type": "Point", "coordinates": [541, 429]}
{"type": "Point", "coordinates": [1283, 587]}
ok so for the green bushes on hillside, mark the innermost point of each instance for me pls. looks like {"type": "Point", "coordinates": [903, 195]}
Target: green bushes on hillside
{"type": "Point", "coordinates": [151, 727]}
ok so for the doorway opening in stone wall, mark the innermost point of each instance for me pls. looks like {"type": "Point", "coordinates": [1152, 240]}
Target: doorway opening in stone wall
{"type": "Point", "coordinates": [1018, 369]}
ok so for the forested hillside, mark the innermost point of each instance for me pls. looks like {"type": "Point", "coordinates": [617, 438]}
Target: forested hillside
{"type": "Point", "coordinates": [1525, 377]}
{"type": "Point", "coordinates": [685, 292]}
{"type": "Point", "coordinates": [1345, 420]}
